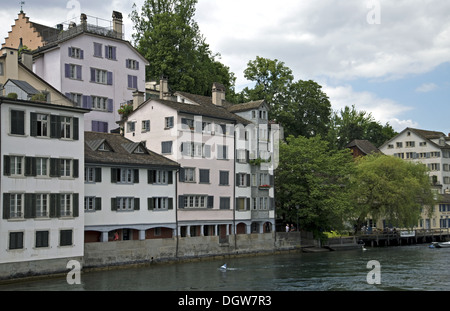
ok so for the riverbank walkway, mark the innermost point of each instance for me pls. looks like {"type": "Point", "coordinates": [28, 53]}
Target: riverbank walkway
{"type": "Point", "coordinates": [403, 237]}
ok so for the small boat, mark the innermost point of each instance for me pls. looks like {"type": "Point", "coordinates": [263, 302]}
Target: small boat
{"type": "Point", "coordinates": [441, 244]}
{"type": "Point", "coordinates": [223, 267]}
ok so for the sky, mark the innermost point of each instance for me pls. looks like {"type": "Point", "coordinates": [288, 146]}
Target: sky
{"type": "Point", "coordinates": [390, 58]}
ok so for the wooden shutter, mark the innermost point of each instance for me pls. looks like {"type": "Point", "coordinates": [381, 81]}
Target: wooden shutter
{"type": "Point", "coordinates": [76, 205]}
{"type": "Point", "coordinates": [33, 124]}
{"type": "Point", "coordinates": [76, 129]}
{"type": "Point", "coordinates": [6, 165]}
{"type": "Point", "coordinates": [114, 173]}
{"type": "Point", "coordinates": [151, 176]}
{"type": "Point", "coordinates": [6, 205]}
{"type": "Point", "coordinates": [75, 165]}
{"type": "Point", "coordinates": [170, 200]}
{"type": "Point", "coordinates": [150, 204]}
{"type": "Point", "coordinates": [136, 176]}
{"type": "Point", "coordinates": [181, 199]}
{"type": "Point", "coordinates": [114, 204]}
{"type": "Point", "coordinates": [210, 202]}
{"type": "Point", "coordinates": [136, 204]}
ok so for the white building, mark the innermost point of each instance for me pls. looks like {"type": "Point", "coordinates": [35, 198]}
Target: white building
{"type": "Point", "coordinates": [428, 147]}
{"type": "Point", "coordinates": [129, 190]}
{"type": "Point", "coordinates": [94, 67]}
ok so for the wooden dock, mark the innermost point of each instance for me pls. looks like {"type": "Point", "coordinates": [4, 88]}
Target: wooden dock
{"type": "Point", "coordinates": [403, 237]}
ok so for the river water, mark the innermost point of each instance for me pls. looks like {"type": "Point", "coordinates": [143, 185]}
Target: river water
{"type": "Point", "coordinates": [415, 267]}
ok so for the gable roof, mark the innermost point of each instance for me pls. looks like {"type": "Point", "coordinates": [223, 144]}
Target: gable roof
{"type": "Point", "coordinates": [247, 106]}
{"type": "Point", "coordinates": [202, 107]}
{"type": "Point", "coordinates": [364, 146]}
{"type": "Point", "coordinates": [122, 153]}
{"type": "Point", "coordinates": [425, 134]}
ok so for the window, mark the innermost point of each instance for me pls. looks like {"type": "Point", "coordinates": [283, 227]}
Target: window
{"type": "Point", "coordinates": [145, 126]}
{"type": "Point", "coordinates": [132, 82]}
{"type": "Point", "coordinates": [124, 175]}
{"type": "Point", "coordinates": [101, 76]}
{"type": "Point", "coordinates": [41, 239]}
{"type": "Point", "coordinates": [75, 53]}
{"type": "Point", "coordinates": [42, 125]}
{"type": "Point", "coordinates": [100, 126]}
{"type": "Point", "coordinates": [264, 179]}
{"type": "Point", "coordinates": [16, 166]}
{"type": "Point", "coordinates": [17, 122]}
{"type": "Point", "coordinates": [16, 205]}
{"type": "Point", "coordinates": [92, 174]}
{"type": "Point", "coordinates": [160, 203]}
{"type": "Point", "coordinates": [65, 167]}
{"type": "Point", "coordinates": [166, 147]}
{"type": "Point", "coordinates": [15, 240]}
{"type": "Point", "coordinates": [65, 238]}
{"type": "Point", "coordinates": [189, 174]}
{"type": "Point", "coordinates": [253, 114]}
{"type": "Point", "coordinates": [168, 122]}
{"type": "Point", "coordinates": [132, 64]}
{"type": "Point", "coordinates": [410, 144]}
{"type": "Point", "coordinates": [399, 145]}
{"type": "Point", "coordinates": [110, 52]}
{"type": "Point", "coordinates": [224, 203]}
{"type": "Point", "coordinates": [1, 69]}
{"type": "Point", "coordinates": [125, 204]}
{"type": "Point", "coordinates": [224, 178]}
{"type": "Point", "coordinates": [42, 207]}
{"type": "Point", "coordinates": [99, 103]}
{"type": "Point", "coordinates": [65, 205]}
{"type": "Point", "coordinates": [222, 152]}
{"type": "Point", "coordinates": [204, 176]}
{"type": "Point", "coordinates": [92, 204]}
{"type": "Point", "coordinates": [131, 126]}
{"type": "Point", "coordinates": [66, 127]}
{"type": "Point", "coordinates": [242, 204]}
{"type": "Point", "coordinates": [195, 201]}
{"type": "Point", "coordinates": [76, 98]}
{"type": "Point", "coordinates": [241, 155]}
{"type": "Point", "coordinates": [263, 203]}
{"type": "Point", "coordinates": [195, 149]}
{"type": "Point", "coordinates": [188, 123]}
{"type": "Point", "coordinates": [73, 71]}
{"type": "Point", "coordinates": [243, 180]}
{"type": "Point", "coordinates": [160, 177]}
{"type": "Point", "coordinates": [41, 167]}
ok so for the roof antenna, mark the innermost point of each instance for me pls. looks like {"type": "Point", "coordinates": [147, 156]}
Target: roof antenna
{"type": "Point", "coordinates": [21, 4]}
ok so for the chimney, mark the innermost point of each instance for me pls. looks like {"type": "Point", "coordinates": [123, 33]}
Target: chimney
{"type": "Point", "coordinates": [27, 59]}
{"type": "Point", "coordinates": [218, 94]}
{"type": "Point", "coordinates": [117, 23]}
{"type": "Point", "coordinates": [83, 19]}
{"type": "Point", "coordinates": [11, 68]}
{"type": "Point", "coordinates": [164, 88]}
{"type": "Point", "coordinates": [138, 99]}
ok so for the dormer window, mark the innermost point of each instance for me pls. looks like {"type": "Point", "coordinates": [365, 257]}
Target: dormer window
{"type": "Point", "coordinates": [139, 149]}
{"type": "Point", "coordinates": [104, 147]}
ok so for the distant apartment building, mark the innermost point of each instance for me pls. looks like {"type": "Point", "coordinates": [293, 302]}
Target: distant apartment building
{"type": "Point", "coordinates": [91, 64]}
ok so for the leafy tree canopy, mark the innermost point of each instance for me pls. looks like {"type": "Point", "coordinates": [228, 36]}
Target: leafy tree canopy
{"type": "Point", "coordinates": [167, 35]}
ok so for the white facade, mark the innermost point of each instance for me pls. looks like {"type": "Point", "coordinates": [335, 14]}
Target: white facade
{"type": "Point", "coordinates": [428, 147]}
{"type": "Point", "coordinates": [42, 181]}
{"type": "Point", "coordinates": [142, 198]}
{"type": "Point", "coordinates": [98, 72]}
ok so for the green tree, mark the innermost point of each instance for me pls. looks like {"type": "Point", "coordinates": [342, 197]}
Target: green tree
{"type": "Point", "coordinates": [301, 107]}
{"type": "Point", "coordinates": [313, 184]}
{"type": "Point", "coordinates": [167, 35]}
{"type": "Point", "coordinates": [392, 189]}
{"type": "Point", "coordinates": [349, 124]}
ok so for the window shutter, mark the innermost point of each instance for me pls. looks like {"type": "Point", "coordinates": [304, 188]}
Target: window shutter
{"type": "Point", "coordinates": [110, 105]}
{"type": "Point", "coordinates": [78, 72]}
{"type": "Point", "coordinates": [109, 78]}
{"type": "Point", "coordinates": [150, 204]}
{"type": "Point", "coordinates": [271, 180]}
{"type": "Point", "coordinates": [182, 177]}
{"type": "Point", "coordinates": [272, 204]}
{"type": "Point", "coordinates": [127, 63]}
{"type": "Point", "coordinates": [67, 70]}
{"type": "Point", "coordinates": [55, 126]}
{"type": "Point", "coordinates": [130, 81]}
{"type": "Point", "coordinates": [76, 129]}
{"type": "Point", "coordinates": [151, 176]}
{"type": "Point", "coordinates": [17, 122]}
{"type": "Point", "coordinates": [92, 74]}
{"type": "Point", "coordinates": [55, 167]}
{"type": "Point", "coordinates": [54, 205]}
{"type": "Point", "coordinates": [114, 173]}
{"type": "Point", "coordinates": [87, 102]}
{"type": "Point", "coordinates": [75, 168]}
{"type": "Point", "coordinates": [76, 205]}
{"type": "Point", "coordinates": [30, 166]}
{"type": "Point", "coordinates": [6, 205]}
{"type": "Point", "coordinates": [114, 204]}
{"type": "Point", "coordinates": [247, 206]}
{"type": "Point", "coordinates": [170, 177]}
{"type": "Point", "coordinates": [95, 126]}
{"type": "Point", "coordinates": [98, 174]}
{"type": "Point", "coordinates": [170, 200]}
{"type": "Point", "coordinates": [248, 180]}
{"type": "Point", "coordinates": [136, 204]}
{"type": "Point", "coordinates": [114, 52]}
{"type": "Point", "coordinates": [98, 204]}
{"type": "Point", "coordinates": [181, 199]}
{"type": "Point", "coordinates": [135, 86]}
{"type": "Point", "coordinates": [70, 52]}
{"type": "Point", "coordinates": [137, 65]}
{"type": "Point", "coordinates": [81, 54]}
{"type": "Point", "coordinates": [136, 176]}
{"type": "Point", "coordinates": [210, 202]}
{"type": "Point", "coordinates": [33, 124]}
{"type": "Point", "coordinates": [6, 165]}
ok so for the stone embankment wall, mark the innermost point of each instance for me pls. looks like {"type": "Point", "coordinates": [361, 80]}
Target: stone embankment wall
{"type": "Point", "coordinates": [110, 254]}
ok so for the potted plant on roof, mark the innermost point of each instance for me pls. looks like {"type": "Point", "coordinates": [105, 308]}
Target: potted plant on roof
{"type": "Point", "coordinates": [125, 110]}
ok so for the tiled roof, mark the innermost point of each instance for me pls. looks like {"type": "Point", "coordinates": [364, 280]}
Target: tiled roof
{"type": "Point", "coordinates": [122, 152]}
{"type": "Point", "coordinates": [246, 106]}
{"type": "Point", "coordinates": [364, 145]}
